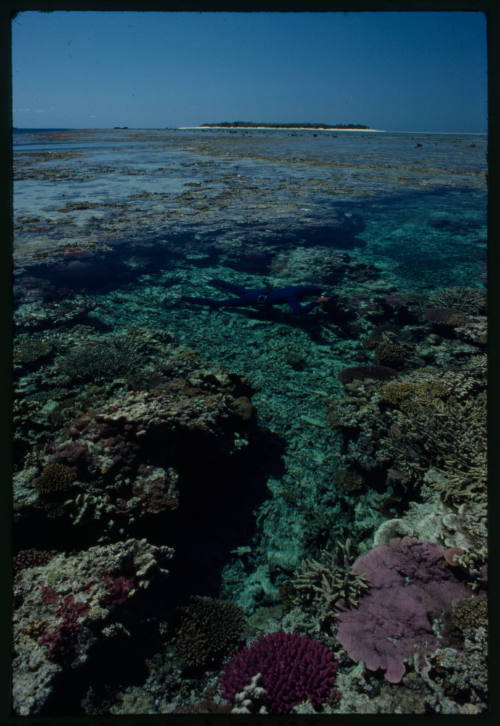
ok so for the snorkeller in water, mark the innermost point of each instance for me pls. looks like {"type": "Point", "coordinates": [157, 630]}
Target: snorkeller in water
{"type": "Point", "coordinates": [265, 297]}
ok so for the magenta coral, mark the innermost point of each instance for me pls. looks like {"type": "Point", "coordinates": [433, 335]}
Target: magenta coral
{"type": "Point", "coordinates": [293, 669]}
{"type": "Point", "coordinates": [118, 588]}
{"type": "Point", "coordinates": [63, 640]}
{"type": "Point", "coordinates": [410, 584]}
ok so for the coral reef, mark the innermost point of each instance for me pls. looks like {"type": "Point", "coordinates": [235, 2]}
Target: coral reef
{"type": "Point", "coordinates": [461, 530]}
{"type": "Point", "coordinates": [267, 449]}
{"type": "Point", "coordinates": [375, 372]}
{"type": "Point", "coordinates": [209, 629]}
{"type": "Point", "coordinates": [470, 300]}
{"type": "Point", "coordinates": [252, 699]}
{"type": "Point", "coordinates": [54, 478]}
{"type": "Point", "coordinates": [120, 462]}
{"type": "Point", "coordinates": [330, 582]}
{"type": "Point", "coordinates": [457, 679]}
{"type": "Point", "coordinates": [391, 354]}
{"type": "Point", "coordinates": [293, 668]}
{"type": "Point", "coordinates": [422, 429]}
{"type": "Point", "coordinates": [410, 584]}
{"type": "Point", "coordinates": [74, 601]}
{"type": "Point", "coordinates": [92, 361]}
{"type": "Point", "coordinates": [32, 557]}
{"type": "Point", "coordinates": [470, 613]}
{"type": "Point", "coordinates": [30, 351]}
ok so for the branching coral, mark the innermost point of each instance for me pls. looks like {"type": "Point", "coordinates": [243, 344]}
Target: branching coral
{"type": "Point", "coordinates": [470, 300]}
{"type": "Point", "coordinates": [252, 698]}
{"type": "Point", "coordinates": [426, 424]}
{"type": "Point", "coordinates": [293, 669]}
{"type": "Point", "coordinates": [329, 582]}
{"type": "Point", "coordinates": [448, 446]}
{"type": "Point", "coordinates": [120, 355]}
{"type": "Point", "coordinates": [458, 678]}
{"type": "Point", "coordinates": [409, 396]}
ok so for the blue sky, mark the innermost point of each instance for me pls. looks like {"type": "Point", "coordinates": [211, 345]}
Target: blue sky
{"type": "Point", "coordinates": [400, 71]}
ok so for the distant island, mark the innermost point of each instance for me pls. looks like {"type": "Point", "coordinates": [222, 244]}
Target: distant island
{"type": "Point", "coordinates": [264, 125]}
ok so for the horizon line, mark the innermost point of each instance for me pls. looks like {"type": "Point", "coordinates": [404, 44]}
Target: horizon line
{"type": "Point", "coordinates": [208, 128]}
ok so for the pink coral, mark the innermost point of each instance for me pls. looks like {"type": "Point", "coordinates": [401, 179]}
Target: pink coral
{"type": "Point", "coordinates": [118, 588]}
{"type": "Point", "coordinates": [293, 669]}
{"type": "Point", "coordinates": [62, 641]}
{"type": "Point", "coordinates": [410, 583]}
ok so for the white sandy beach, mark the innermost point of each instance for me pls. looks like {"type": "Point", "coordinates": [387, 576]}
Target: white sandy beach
{"type": "Point", "coordinates": [275, 128]}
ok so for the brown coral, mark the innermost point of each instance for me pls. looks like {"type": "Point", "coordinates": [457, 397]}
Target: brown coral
{"type": "Point", "coordinates": [413, 395]}
{"type": "Point", "coordinates": [54, 478]}
{"type": "Point", "coordinates": [470, 613]}
{"type": "Point", "coordinates": [445, 319]}
{"type": "Point", "coordinates": [393, 355]}
{"type": "Point", "coordinates": [208, 630]}
{"type": "Point", "coordinates": [348, 482]}
{"type": "Point", "coordinates": [347, 375]}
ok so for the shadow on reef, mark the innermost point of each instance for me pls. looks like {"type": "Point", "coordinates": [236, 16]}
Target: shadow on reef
{"type": "Point", "coordinates": [86, 269]}
{"type": "Point", "coordinates": [114, 661]}
{"type": "Point", "coordinates": [218, 494]}
{"type": "Point", "coordinates": [215, 515]}
{"type": "Point", "coordinates": [335, 312]}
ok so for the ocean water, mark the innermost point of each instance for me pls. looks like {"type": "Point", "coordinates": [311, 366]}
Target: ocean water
{"type": "Point", "coordinates": [122, 224]}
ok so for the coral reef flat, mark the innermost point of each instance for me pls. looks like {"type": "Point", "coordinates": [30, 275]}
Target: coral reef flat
{"type": "Point", "coordinates": [201, 488]}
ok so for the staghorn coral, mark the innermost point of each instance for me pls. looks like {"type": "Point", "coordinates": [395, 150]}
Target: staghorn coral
{"type": "Point", "coordinates": [446, 447]}
{"type": "Point", "coordinates": [424, 431]}
{"type": "Point", "coordinates": [93, 361]}
{"type": "Point", "coordinates": [329, 582]}
{"type": "Point", "coordinates": [209, 629]}
{"type": "Point", "coordinates": [293, 669]}
{"type": "Point", "coordinates": [471, 300]}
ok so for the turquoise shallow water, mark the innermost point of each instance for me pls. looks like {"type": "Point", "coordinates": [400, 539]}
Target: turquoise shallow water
{"type": "Point", "coordinates": [113, 228]}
